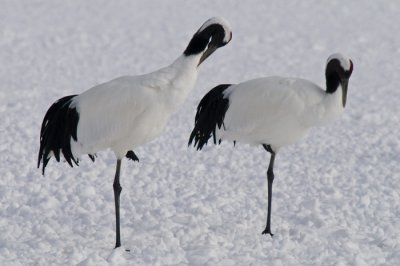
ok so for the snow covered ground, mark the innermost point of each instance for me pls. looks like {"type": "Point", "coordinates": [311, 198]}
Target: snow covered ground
{"type": "Point", "coordinates": [336, 194]}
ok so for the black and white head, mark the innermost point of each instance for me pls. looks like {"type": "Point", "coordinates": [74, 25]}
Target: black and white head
{"type": "Point", "coordinates": [338, 72]}
{"type": "Point", "coordinates": [213, 34]}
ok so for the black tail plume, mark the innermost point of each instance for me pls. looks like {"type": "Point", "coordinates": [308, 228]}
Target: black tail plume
{"type": "Point", "coordinates": [210, 115]}
{"type": "Point", "coordinates": [59, 125]}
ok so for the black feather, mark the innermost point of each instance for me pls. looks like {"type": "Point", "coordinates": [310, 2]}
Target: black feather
{"type": "Point", "coordinates": [59, 124]}
{"type": "Point", "coordinates": [213, 33]}
{"type": "Point", "coordinates": [210, 115]}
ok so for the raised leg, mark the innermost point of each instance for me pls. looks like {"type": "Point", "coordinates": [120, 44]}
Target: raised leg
{"type": "Point", "coordinates": [117, 192]}
{"type": "Point", "coordinates": [270, 177]}
{"type": "Point", "coordinates": [132, 156]}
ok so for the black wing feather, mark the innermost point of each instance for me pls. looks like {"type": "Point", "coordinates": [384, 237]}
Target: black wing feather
{"type": "Point", "coordinates": [59, 124]}
{"type": "Point", "coordinates": [210, 115]}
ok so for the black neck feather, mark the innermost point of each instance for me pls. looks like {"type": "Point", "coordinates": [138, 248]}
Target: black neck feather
{"type": "Point", "coordinates": [332, 82]}
{"type": "Point", "coordinates": [196, 45]}
{"type": "Point", "coordinates": [201, 39]}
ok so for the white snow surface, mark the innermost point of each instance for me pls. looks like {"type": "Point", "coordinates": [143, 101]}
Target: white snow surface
{"type": "Point", "coordinates": [336, 198]}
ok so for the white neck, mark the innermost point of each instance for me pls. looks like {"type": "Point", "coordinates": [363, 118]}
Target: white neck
{"type": "Point", "coordinates": [327, 109]}
{"type": "Point", "coordinates": [178, 79]}
{"type": "Point", "coordinates": [332, 105]}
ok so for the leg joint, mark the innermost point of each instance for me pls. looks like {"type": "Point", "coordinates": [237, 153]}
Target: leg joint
{"type": "Point", "coordinates": [117, 187]}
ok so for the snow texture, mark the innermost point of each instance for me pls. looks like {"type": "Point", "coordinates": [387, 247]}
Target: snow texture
{"type": "Point", "coordinates": [336, 193]}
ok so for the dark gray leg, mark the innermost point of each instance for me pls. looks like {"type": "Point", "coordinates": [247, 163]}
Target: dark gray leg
{"type": "Point", "coordinates": [117, 192]}
{"type": "Point", "coordinates": [270, 176]}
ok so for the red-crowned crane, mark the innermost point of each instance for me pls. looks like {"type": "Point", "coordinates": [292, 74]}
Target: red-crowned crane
{"type": "Point", "coordinates": [128, 111]}
{"type": "Point", "coordinates": [271, 111]}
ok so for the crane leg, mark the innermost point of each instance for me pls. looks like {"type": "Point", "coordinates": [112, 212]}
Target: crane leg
{"type": "Point", "coordinates": [270, 177]}
{"type": "Point", "coordinates": [117, 191]}
{"type": "Point", "coordinates": [132, 156]}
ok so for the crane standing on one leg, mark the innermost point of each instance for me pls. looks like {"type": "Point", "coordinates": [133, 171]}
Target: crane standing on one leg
{"type": "Point", "coordinates": [128, 111]}
{"type": "Point", "coordinates": [272, 112]}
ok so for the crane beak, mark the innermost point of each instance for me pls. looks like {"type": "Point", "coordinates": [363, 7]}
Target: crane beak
{"type": "Point", "coordinates": [211, 49]}
{"type": "Point", "coordinates": [345, 83]}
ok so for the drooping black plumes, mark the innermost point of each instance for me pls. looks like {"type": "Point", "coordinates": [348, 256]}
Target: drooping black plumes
{"type": "Point", "coordinates": [210, 115]}
{"type": "Point", "coordinates": [59, 125]}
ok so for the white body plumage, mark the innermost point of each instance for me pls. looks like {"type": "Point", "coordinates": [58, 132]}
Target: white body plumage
{"type": "Point", "coordinates": [276, 110]}
{"type": "Point", "coordinates": [131, 110]}
{"type": "Point", "coordinates": [128, 111]}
